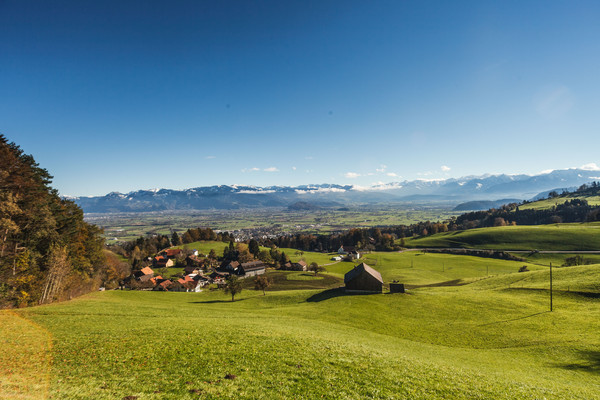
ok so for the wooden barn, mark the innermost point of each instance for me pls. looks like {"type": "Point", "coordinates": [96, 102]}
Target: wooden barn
{"type": "Point", "coordinates": [363, 278]}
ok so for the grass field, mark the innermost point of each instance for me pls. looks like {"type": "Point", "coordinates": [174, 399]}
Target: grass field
{"type": "Point", "coordinates": [549, 203]}
{"type": "Point", "coordinates": [492, 338]}
{"type": "Point", "coordinates": [577, 236]}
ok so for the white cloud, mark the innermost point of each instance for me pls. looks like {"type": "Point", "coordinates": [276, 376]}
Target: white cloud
{"type": "Point", "coordinates": [210, 157]}
{"type": "Point", "coordinates": [351, 175]}
{"type": "Point", "coordinates": [445, 168]}
{"type": "Point", "coordinates": [294, 168]}
{"type": "Point", "coordinates": [428, 173]}
{"type": "Point", "coordinates": [271, 169]}
{"type": "Point", "coordinates": [253, 169]}
{"type": "Point", "coordinates": [392, 174]}
{"type": "Point", "coordinates": [590, 167]}
{"type": "Point", "coordinates": [382, 168]}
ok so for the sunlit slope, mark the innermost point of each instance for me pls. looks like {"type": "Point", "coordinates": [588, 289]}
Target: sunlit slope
{"type": "Point", "coordinates": [569, 237]}
{"type": "Point", "coordinates": [549, 203]}
{"type": "Point", "coordinates": [417, 268]}
{"type": "Point", "coordinates": [481, 340]}
{"type": "Point", "coordinates": [25, 358]}
{"type": "Point", "coordinates": [584, 279]}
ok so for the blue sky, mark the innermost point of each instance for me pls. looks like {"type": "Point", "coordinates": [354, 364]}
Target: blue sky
{"type": "Point", "coordinates": [126, 95]}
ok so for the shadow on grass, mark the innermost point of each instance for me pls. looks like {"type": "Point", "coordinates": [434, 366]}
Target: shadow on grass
{"type": "Point", "coordinates": [216, 301]}
{"type": "Point", "coordinates": [336, 292]}
{"type": "Point", "coordinates": [590, 363]}
{"type": "Point", "coordinates": [515, 319]}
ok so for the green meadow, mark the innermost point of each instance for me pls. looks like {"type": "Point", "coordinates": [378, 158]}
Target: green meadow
{"type": "Point", "coordinates": [468, 328]}
{"type": "Point", "coordinates": [549, 203]}
{"type": "Point", "coordinates": [566, 237]}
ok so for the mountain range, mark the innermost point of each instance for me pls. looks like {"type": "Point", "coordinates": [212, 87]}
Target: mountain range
{"type": "Point", "coordinates": [449, 191]}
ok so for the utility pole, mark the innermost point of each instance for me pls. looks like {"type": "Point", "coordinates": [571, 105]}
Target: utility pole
{"type": "Point", "coordinates": [550, 287]}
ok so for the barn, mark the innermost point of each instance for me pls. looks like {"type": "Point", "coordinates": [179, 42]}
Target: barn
{"type": "Point", "coordinates": [363, 278]}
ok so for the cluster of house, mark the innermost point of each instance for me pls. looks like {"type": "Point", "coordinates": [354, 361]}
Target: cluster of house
{"type": "Point", "coordinates": [194, 278]}
{"type": "Point", "coordinates": [164, 259]}
{"type": "Point", "coordinates": [362, 278]}
{"type": "Point", "coordinates": [346, 253]}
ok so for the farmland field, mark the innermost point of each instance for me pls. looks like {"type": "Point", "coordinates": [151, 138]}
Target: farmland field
{"type": "Point", "coordinates": [127, 226]}
{"type": "Point", "coordinates": [485, 333]}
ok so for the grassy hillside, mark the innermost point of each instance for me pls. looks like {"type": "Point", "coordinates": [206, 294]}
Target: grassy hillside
{"type": "Point", "coordinates": [549, 203]}
{"type": "Point", "coordinates": [415, 268]}
{"type": "Point", "coordinates": [541, 237]}
{"type": "Point", "coordinates": [484, 340]}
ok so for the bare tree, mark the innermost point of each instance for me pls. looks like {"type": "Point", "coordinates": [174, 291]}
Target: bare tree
{"type": "Point", "coordinates": [58, 270]}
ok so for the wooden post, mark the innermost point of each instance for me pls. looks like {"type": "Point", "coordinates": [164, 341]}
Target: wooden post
{"type": "Point", "coordinates": [550, 287]}
{"type": "Point", "coordinates": [487, 270]}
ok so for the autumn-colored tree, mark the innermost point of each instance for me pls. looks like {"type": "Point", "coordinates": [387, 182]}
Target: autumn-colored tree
{"type": "Point", "coordinates": [316, 268]}
{"type": "Point", "coordinates": [46, 248]}
{"type": "Point", "coordinates": [265, 256]}
{"type": "Point", "coordinates": [262, 282]}
{"type": "Point", "coordinates": [232, 286]}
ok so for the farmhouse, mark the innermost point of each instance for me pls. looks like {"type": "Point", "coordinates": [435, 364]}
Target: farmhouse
{"type": "Point", "coordinates": [230, 267]}
{"type": "Point", "coordinates": [363, 278]}
{"type": "Point", "coordinates": [172, 253]}
{"type": "Point", "coordinates": [163, 285]}
{"type": "Point", "coordinates": [144, 275]}
{"type": "Point", "coordinates": [349, 251]}
{"type": "Point", "coordinates": [163, 262]}
{"type": "Point", "coordinates": [251, 268]}
{"type": "Point", "coordinates": [299, 266]}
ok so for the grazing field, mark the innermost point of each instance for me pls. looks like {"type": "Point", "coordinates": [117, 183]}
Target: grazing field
{"type": "Point", "coordinates": [483, 336]}
{"type": "Point", "coordinates": [567, 237]}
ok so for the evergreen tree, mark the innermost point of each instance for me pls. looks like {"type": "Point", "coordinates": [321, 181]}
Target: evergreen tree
{"type": "Point", "coordinates": [175, 240]}
{"type": "Point", "coordinates": [47, 251]}
{"type": "Point", "coordinates": [254, 248]}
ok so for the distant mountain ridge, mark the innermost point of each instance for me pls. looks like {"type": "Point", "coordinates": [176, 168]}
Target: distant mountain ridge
{"type": "Point", "coordinates": [473, 188]}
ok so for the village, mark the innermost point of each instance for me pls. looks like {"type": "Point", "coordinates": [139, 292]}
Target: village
{"type": "Point", "coordinates": [201, 271]}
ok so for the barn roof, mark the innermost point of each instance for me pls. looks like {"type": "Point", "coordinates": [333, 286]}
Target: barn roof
{"type": "Point", "coordinates": [356, 271]}
{"type": "Point", "coordinates": [253, 265]}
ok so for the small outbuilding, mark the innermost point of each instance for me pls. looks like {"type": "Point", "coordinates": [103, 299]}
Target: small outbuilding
{"type": "Point", "coordinates": [363, 278]}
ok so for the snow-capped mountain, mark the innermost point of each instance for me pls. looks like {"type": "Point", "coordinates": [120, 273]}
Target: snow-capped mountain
{"type": "Point", "coordinates": [486, 187]}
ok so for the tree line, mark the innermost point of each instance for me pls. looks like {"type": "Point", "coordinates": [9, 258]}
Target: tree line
{"type": "Point", "coordinates": [392, 238]}
{"type": "Point", "coordinates": [47, 251]}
